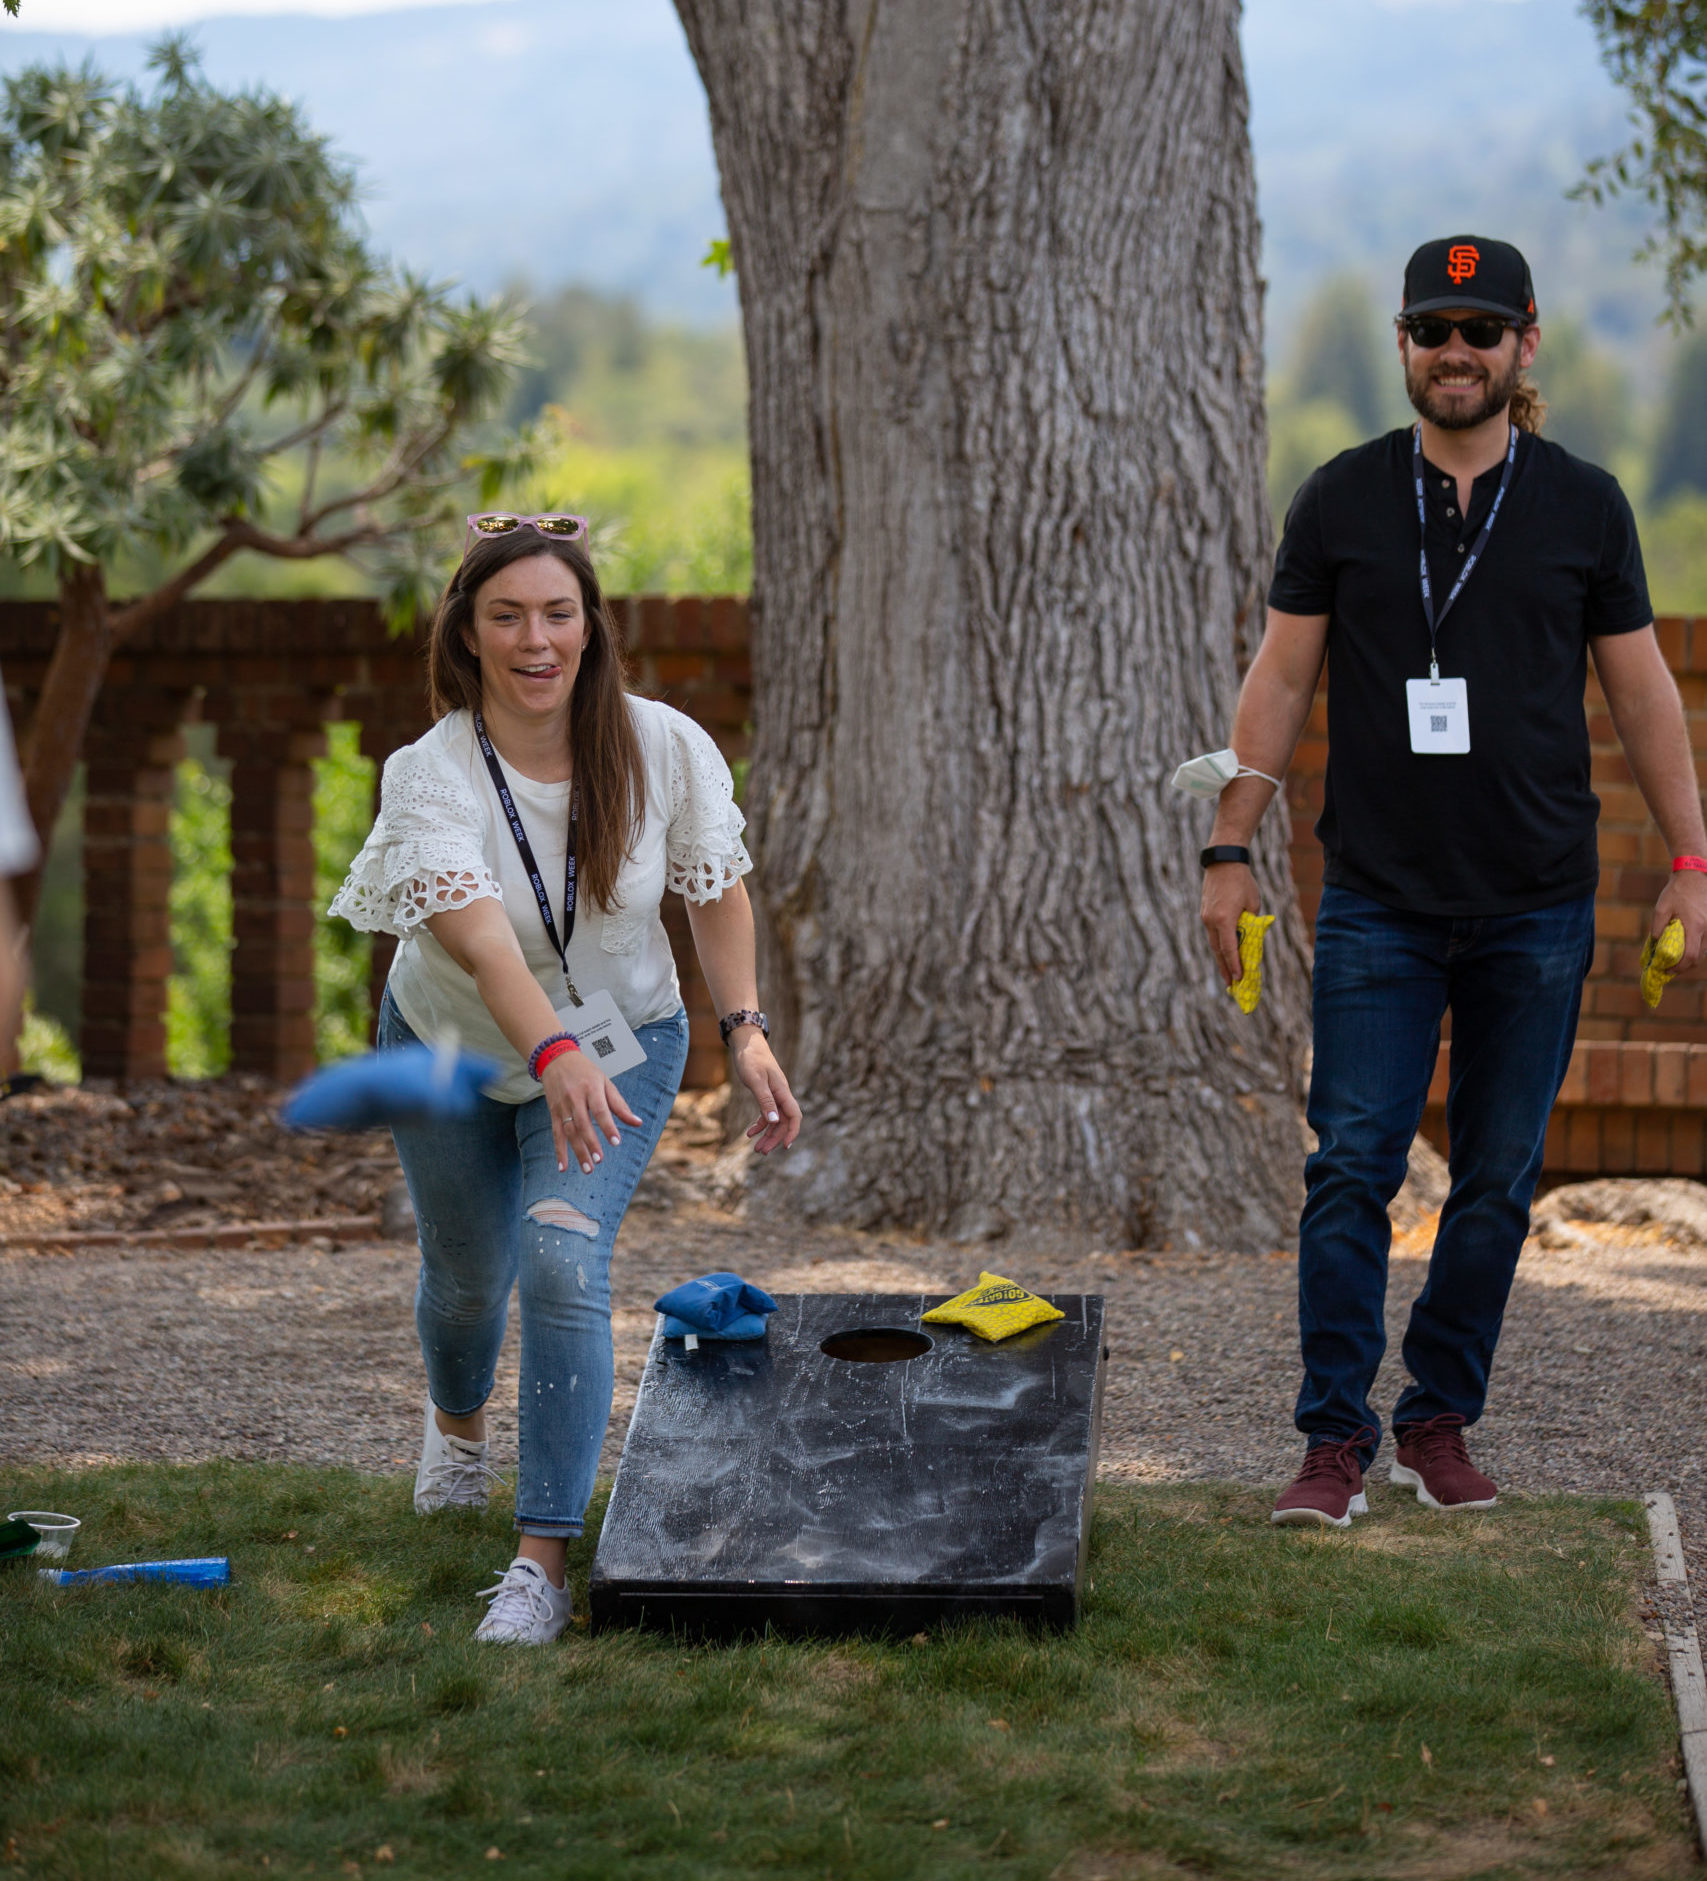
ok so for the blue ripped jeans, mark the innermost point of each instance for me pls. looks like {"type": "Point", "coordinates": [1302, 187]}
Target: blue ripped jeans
{"type": "Point", "coordinates": [1381, 983]}
{"type": "Point", "coordinates": [485, 1189]}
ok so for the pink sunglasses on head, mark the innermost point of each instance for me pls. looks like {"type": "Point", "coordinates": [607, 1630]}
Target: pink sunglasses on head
{"type": "Point", "coordinates": [502, 523]}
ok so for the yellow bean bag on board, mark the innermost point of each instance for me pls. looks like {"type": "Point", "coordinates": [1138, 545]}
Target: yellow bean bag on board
{"type": "Point", "coordinates": [994, 1309]}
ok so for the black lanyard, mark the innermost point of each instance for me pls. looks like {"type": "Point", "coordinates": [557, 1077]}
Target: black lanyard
{"type": "Point", "coordinates": [501, 785]}
{"type": "Point", "coordinates": [1434, 621]}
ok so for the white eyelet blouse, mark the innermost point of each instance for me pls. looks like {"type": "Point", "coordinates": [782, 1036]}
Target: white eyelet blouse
{"type": "Point", "coordinates": [441, 841]}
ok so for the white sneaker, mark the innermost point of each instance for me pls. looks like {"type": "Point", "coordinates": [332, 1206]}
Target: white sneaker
{"type": "Point", "coordinates": [453, 1473]}
{"type": "Point", "coordinates": [526, 1609]}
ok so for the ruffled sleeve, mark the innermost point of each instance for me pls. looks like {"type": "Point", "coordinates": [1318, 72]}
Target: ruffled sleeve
{"type": "Point", "coordinates": [425, 853]}
{"type": "Point", "coordinates": [703, 850]}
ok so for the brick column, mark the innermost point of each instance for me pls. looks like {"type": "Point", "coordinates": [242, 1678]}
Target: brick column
{"type": "Point", "coordinates": [127, 878]}
{"type": "Point", "coordinates": [272, 896]}
{"type": "Point", "coordinates": [384, 731]}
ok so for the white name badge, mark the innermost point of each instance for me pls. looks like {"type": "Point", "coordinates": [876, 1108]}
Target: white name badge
{"type": "Point", "coordinates": [603, 1034]}
{"type": "Point", "coordinates": [1440, 716]}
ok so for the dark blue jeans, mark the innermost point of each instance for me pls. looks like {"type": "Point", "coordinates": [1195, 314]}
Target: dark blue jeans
{"type": "Point", "coordinates": [1513, 984]}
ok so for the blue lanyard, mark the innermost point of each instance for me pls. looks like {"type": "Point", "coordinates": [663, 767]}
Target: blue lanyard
{"type": "Point", "coordinates": [501, 784]}
{"type": "Point", "coordinates": [1434, 620]}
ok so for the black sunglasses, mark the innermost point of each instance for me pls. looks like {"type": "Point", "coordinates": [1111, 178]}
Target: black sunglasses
{"type": "Point", "coordinates": [1482, 331]}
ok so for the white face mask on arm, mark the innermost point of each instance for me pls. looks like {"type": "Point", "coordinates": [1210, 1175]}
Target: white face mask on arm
{"type": "Point", "coordinates": [1210, 774]}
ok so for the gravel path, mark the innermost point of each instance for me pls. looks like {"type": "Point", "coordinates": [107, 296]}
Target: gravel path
{"type": "Point", "coordinates": [308, 1353]}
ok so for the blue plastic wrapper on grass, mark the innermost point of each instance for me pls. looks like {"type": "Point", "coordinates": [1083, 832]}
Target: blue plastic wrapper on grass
{"type": "Point", "coordinates": [212, 1570]}
{"type": "Point", "coordinates": [412, 1084]}
{"type": "Point", "coordinates": [715, 1306]}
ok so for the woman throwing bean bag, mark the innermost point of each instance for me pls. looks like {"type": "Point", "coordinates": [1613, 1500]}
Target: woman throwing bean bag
{"type": "Point", "coordinates": [520, 855]}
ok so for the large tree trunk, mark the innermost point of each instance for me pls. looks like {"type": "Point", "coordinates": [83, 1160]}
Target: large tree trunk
{"type": "Point", "coordinates": [998, 270]}
{"type": "Point", "coordinates": [68, 694]}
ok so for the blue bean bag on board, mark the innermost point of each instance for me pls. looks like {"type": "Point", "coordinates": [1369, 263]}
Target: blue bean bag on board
{"type": "Point", "coordinates": [413, 1084]}
{"type": "Point", "coordinates": [715, 1306]}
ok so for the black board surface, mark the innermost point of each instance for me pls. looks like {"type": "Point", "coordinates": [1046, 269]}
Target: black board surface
{"type": "Point", "coordinates": [773, 1484]}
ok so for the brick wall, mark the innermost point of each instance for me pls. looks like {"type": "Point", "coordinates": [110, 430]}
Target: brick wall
{"type": "Point", "coordinates": [1635, 1097]}
{"type": "Point", "coordinates": [270, 674]}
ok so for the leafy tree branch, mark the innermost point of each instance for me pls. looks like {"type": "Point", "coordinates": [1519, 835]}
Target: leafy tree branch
{"type": "Point", "coordinates": [201, 358]}
{"type": "Point", "coordinates": [1656, 50]}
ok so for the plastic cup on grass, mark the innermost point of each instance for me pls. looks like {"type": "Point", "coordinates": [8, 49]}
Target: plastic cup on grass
{"type": "Point", "coordinates": [56, 1531]}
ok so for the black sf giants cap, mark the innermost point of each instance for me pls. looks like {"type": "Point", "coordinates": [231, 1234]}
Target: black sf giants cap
{"type": "Point", "coordinates": [1469, 271]}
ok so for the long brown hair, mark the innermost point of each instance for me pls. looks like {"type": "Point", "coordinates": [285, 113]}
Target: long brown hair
{"type": "Point", "coordinates": [1528, 407]}
{"type": "Point", "coordinates": [610, 773]}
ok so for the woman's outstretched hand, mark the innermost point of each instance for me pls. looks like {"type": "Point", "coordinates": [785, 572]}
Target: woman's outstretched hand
{"type": "Point", "coordinates": [779, 1115]}
{"type": "Point", "coordinates": [584, 1105]}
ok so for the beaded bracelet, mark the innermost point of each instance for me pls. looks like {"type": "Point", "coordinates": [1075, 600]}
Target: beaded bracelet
{"type": "Point", "coordinates": [746, 1016]}
{"type": "Point", "coordinates": [555, 1050]}
{"type": "Point", "coordinates": [547, 1049]}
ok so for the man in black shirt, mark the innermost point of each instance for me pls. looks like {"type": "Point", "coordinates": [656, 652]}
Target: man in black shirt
{"type": "Point", "coordinates": [1459, 834]}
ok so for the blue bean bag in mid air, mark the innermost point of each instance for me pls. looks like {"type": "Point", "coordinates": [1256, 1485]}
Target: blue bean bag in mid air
{"type": "Point", "coordinates": [715, 1306]}
{"type": "Point", "coordinates": [411, 1084]}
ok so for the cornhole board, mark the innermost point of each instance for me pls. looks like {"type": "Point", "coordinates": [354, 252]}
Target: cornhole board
{"type": "Point", "coordinates": [775, 1484]}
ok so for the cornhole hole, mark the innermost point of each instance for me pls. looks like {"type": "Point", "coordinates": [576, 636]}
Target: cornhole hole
{"type": "Point", "coordinates": [855, 1471]}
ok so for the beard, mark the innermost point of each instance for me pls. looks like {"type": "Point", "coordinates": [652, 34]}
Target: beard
{"type": "Point", "coordinates": [1461, 415]}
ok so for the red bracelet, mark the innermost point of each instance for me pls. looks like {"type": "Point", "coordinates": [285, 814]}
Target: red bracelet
{"type": "Point", "coordinates": [555, 1049]}
{"type": "Point", "coordinates": [1698, 863]}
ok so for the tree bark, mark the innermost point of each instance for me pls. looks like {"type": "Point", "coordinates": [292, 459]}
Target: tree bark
{"type": "Point", "coordinates": [67, 702]}
{"type": "Point", "coordinates": [998, 272]}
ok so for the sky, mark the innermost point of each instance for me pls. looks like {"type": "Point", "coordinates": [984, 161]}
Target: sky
{"type": "Point", "coordinates": [140, 16]}
{"type": "Point", "coordinates": [134, 16]}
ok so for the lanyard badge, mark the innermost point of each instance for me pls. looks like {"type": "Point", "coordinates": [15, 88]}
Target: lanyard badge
{"type": "Point", "coordinates": [595, 1023]}
{"type": "Point", "coordinates": [1439, 709]}
{"type": "Point", "coordinates": [501, 784]}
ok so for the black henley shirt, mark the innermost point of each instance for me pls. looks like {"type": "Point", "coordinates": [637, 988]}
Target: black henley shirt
{"type": "Point", "coordinates": [1510, 826]}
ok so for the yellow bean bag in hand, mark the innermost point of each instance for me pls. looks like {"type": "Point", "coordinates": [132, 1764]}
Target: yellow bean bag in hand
{"type": "Point", "coordinates": [1659, 961]}
{"type": "Point", "coordinates": [1247, 988]}
{"type": "Point", "coordinates": [994, 1309]}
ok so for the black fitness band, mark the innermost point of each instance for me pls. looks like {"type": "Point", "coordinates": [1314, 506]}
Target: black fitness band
{"type": "Point", "coordinates": [1224, 852]}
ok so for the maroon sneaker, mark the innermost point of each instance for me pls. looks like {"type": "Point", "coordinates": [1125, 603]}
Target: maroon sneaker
{"type": "Point", "coordinates": [1329, 1488]}
{"type": "Point", "coordinates": [1432, 1460]}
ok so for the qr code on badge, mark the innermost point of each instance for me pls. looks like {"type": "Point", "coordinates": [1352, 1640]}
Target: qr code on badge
{"type": "Point", "coordinates": [604, 1047]}
{"type": "Point", "coordinates": [1437, 721]}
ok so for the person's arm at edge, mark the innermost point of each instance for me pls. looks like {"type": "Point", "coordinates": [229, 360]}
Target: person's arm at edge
{"type": "Point", "coordinates": [723, 939]}
{"type": "Point", "coordinates": [582, 1099]}
{"type": "Point", "coordinates": [1647, 714]}
{"type": "Point", "coordinates": [1274, 705]}
{"type": "Point", "coordinates": [13, 977]}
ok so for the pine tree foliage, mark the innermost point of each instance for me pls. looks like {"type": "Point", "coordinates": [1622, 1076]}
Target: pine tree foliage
{"type": "Point", "coordinates": [1338, 355]}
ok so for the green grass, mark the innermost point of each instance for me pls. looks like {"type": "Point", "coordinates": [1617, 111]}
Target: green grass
{"type": "Point", "coordinates": [1239, 1701]}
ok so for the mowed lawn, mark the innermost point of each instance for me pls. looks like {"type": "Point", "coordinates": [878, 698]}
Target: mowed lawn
{"type": "Point", "coordinates": [1423, 1698]}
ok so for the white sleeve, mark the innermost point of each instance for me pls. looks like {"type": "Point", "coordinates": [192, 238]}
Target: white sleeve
{"type": "Point", "coordinates": [19, 849]}
{"type": "Point", "coordinates": [704, 852]}
{"type": "Point", "coordinates": [425, 853]}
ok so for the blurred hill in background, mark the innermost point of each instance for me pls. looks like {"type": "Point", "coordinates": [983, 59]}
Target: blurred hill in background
{"type": "Point", "coordinates": [565, 141]}
{"type": "Point", "coordinates": [561, 147]}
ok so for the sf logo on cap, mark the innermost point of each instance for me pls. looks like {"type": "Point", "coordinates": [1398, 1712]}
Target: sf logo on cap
{"type": "Point", "coordinates": [1461, 261]}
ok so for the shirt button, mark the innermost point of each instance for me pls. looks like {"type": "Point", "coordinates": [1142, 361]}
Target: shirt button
{"type": "Point", "coordinates": [1446, 483]}
{"type": "Point", "coordinates": [1452, 512]}
{"type": "Point", "coordinates": [1461, 548]}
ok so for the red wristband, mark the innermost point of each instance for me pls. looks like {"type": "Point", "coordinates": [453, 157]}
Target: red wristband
{"type": "Point", "coordinates": [1698, 863]}
{"type": "Point", "coordinates": [555, 1049]}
